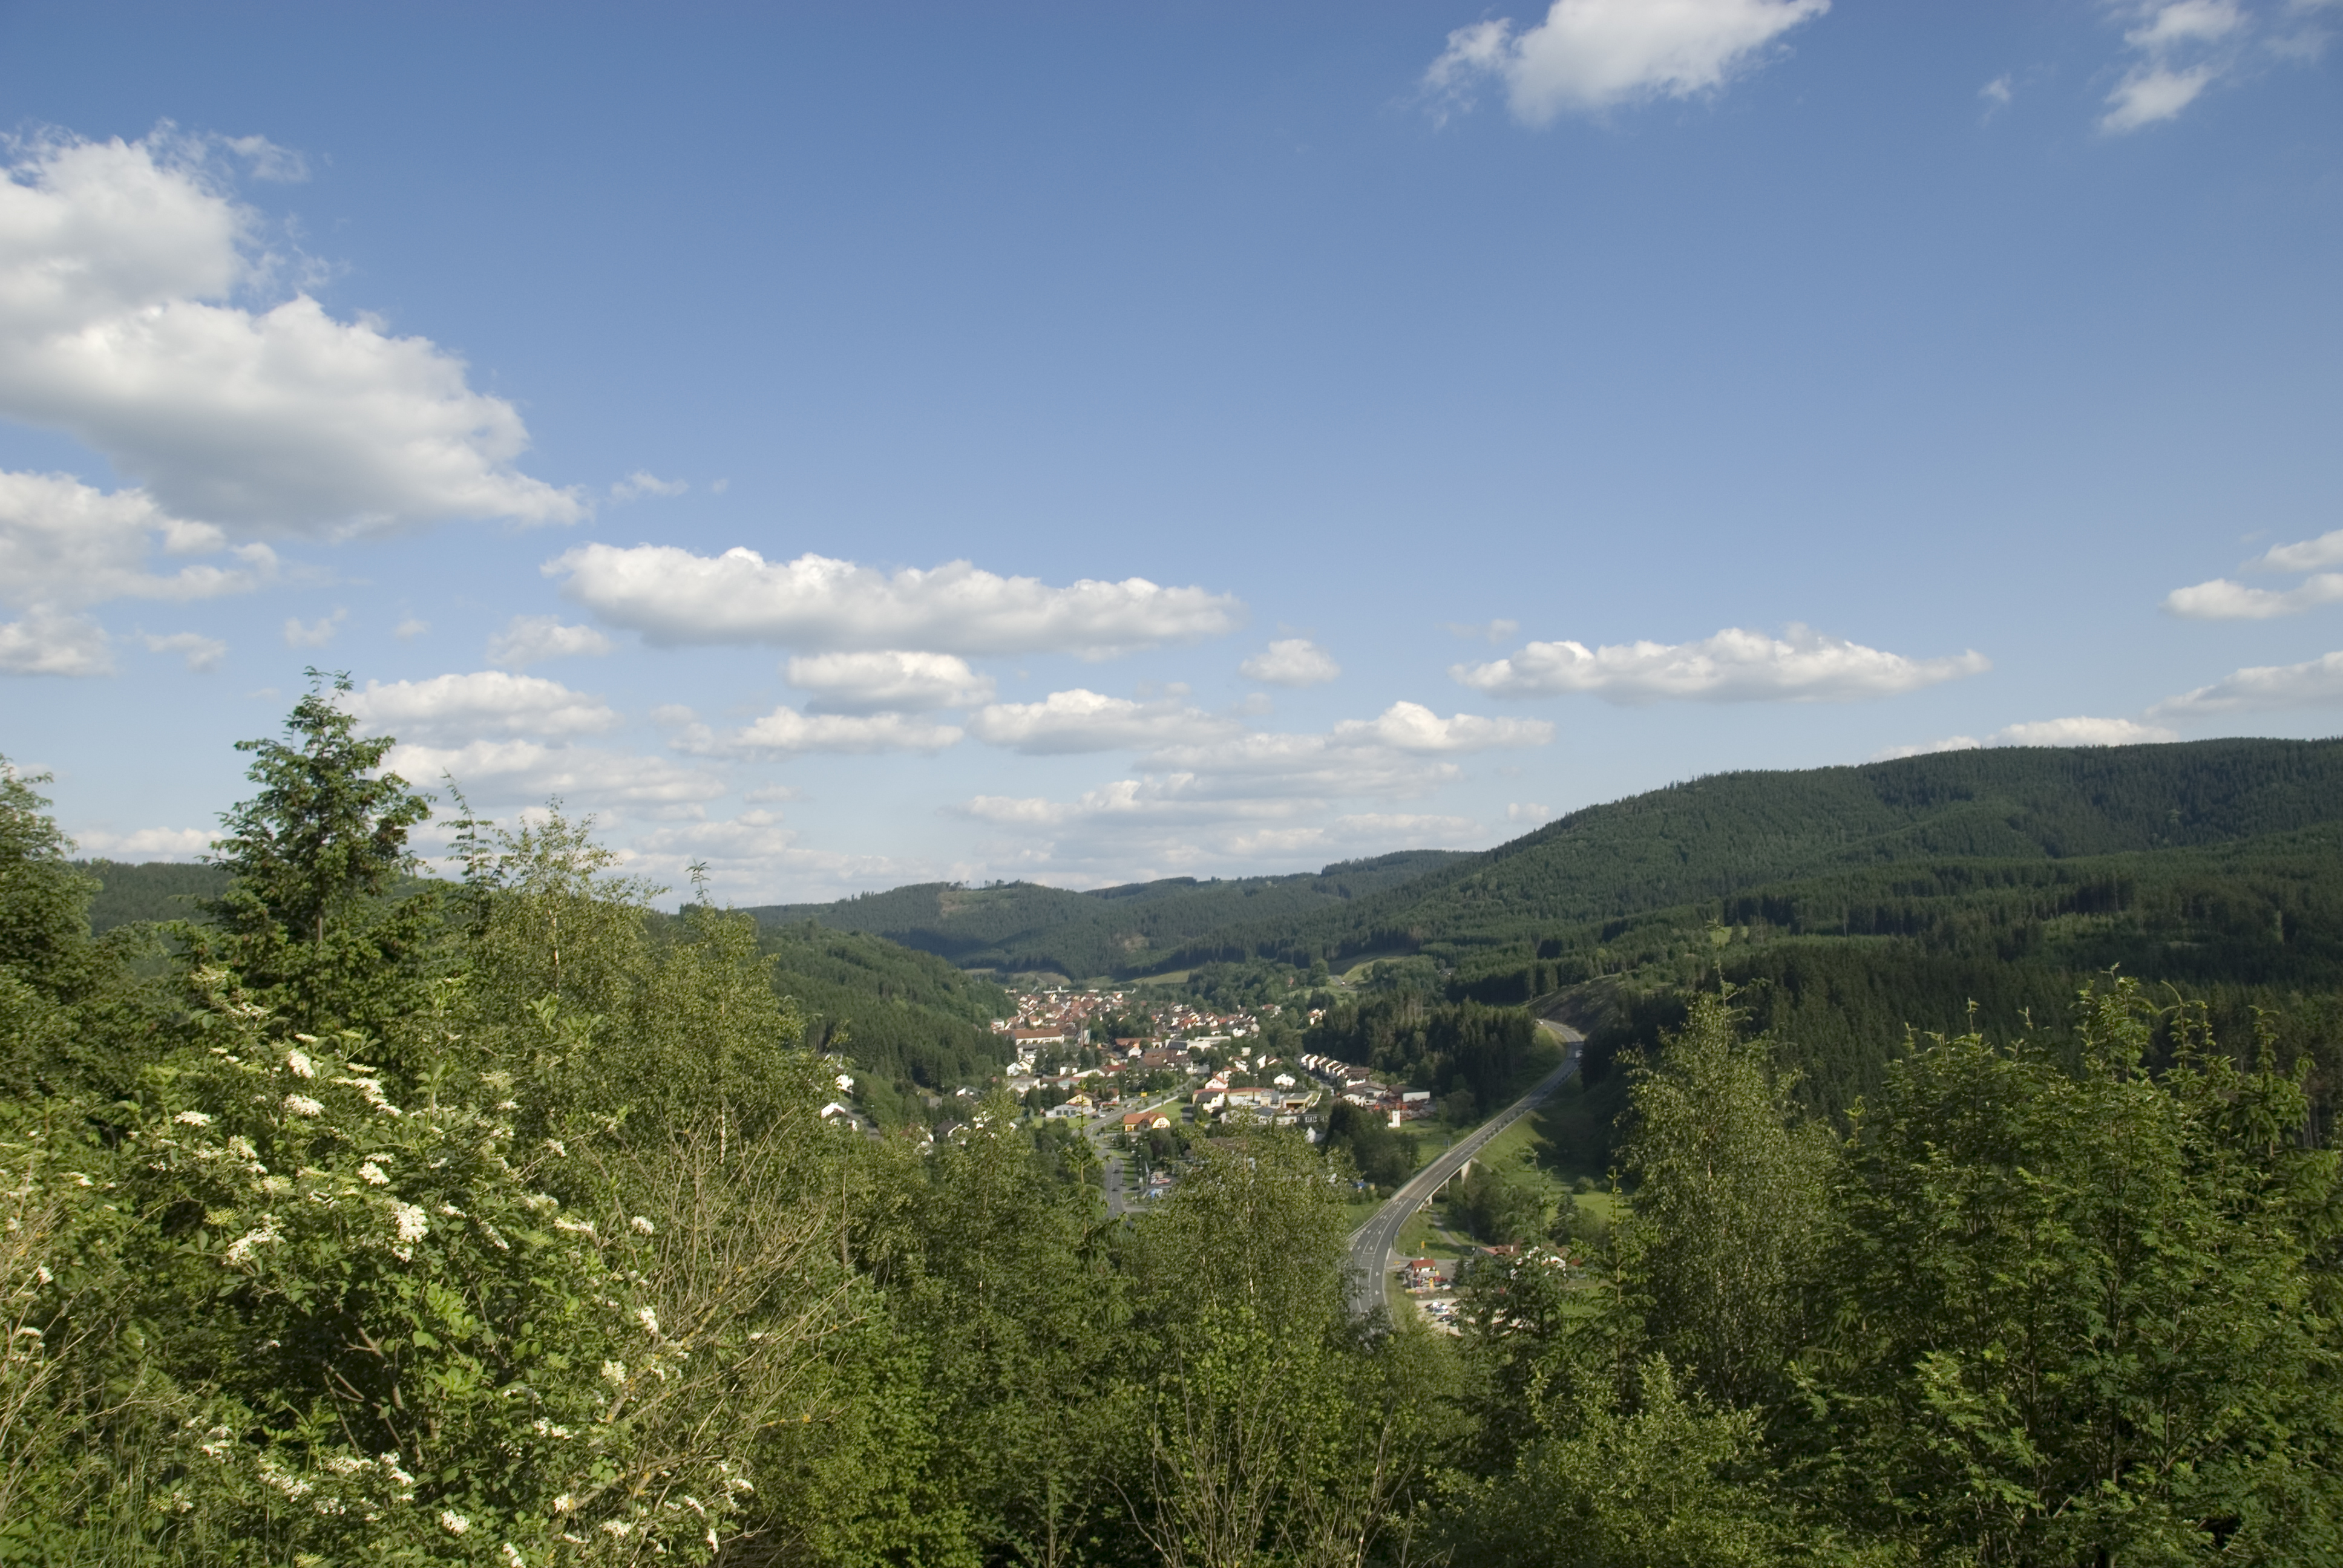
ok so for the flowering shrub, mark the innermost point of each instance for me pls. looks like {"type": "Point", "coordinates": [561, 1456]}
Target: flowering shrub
{"type": "Point", "coordinates": [422, 1355]}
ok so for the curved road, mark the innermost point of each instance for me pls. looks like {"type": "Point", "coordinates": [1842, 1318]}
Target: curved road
{"type": "Point", "coordinates": [1372, 1243]}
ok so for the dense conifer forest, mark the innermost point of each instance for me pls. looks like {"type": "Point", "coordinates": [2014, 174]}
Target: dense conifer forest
{"type": "Point", "coordinates": [362, 1216]}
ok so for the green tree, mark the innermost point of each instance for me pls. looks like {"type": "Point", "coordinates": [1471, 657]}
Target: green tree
{"type": "Point", "coordinates": [1727, 1209]}
{"type": "Point", "coordinates": [2081, 1314]}
{"type": "Point", "coordinates": [312, 921]}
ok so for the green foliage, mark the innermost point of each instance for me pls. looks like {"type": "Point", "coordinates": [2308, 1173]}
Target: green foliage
{"type": "Point", "coordinates": [1727, 1209]}
{"type": "Point", "coordinates": [309, 921]}
{"type": "Point", "coordinates": [151, 891]}
{"type": "Point", "coordinates": [1439, 1045]}
{"type": "Point", "coordinates": [1381, 1153]}
{"type": "Point", "coordinates": [909, 1021]}
{"type": "Point", "coordinates": [2085, 1315]}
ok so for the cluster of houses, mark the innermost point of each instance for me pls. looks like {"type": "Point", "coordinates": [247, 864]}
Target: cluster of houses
{"type": "Point", "coordinates": [1356, 1085]}
{"type": "Point", "coordinates": [1047, 1020]}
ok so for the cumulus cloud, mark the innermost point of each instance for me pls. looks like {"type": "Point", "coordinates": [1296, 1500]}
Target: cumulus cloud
{"type": "Point", "coordinates": [146, 843]}
{"type": "Point", "coordinates": [888, 680]}
{"type": "Point", "coordinates": [1526, 811]}
{"type": "Point", "coordinates": [45, 642]}
{"type": "Point", "coordinates": [529, 639]}
{"type": "Point", "coordinates": [786, 733]}
{"type": "Point", "coordinates": [674, 597]}
{"type": "Point", "coordinates": [2314, 683]}
{"type": "Point", "coordinates": [1142, 828]}
{"type": "Point", "coordinates": [1589, 56]}
{"type": "Point", "coordinates": [1291, 661]}
{"type": "Point", "coordinates": [65, 544]}
{"type": "Point", "coordinates": [2081, 732]}
{"type": "Point", "coordinates": [2077, 731]}
{"type": "Point", "coordinates": [2306, 556]}
{"type": "Point", "coordinates": [2222, 599]}
{"type": "Point", "coordinates": [1411, 726]}
{"type": "Point", "coordinates": [752, 858]}
{"type": "Point", "coordinates": [589, 778]}
{"type": "Point", "coordinates": [639, 484]}
{"type": "Point", "coordinates": [456, 709]}
{"type": "Point", "coordinates": [1083, 720]}
{"type": "Point", "coordinates": [1263, 794]}
{"type": "Point", "coordinates": [122, 265]}
{"type": "Point", "coordinates": [1734, 666]}
{"type": "Point", "coordinates": [203, 654]}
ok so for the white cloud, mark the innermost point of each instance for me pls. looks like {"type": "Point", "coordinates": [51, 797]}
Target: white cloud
{"type": "Point", "coordinates": [1927, 749]}
{"type": "Point", "coordinates": [1083, 720]}
{"type": "Point", "coordinates": [2307, 555]}
{"type": "Point", "coordinates": [673, 597]}
{"type": "Point", "coordinates": [639, 484]}
{"type": "Point", "coordinates": [410, 628]}
{"type": "Point", "coordinates": [1589, 56]}
{"type": "Point", "coordinates": [589, 778]}
{"type": "Point", "coordinates": [45, 642]}
{"type": "Point", "coordinates": [2181, 48]}
{"type": "Point", "coordinates": [533, 639]}
{"type": "Point", "coordinates": [315, 633]}
{"type": "Point", "coordinates": [1411, 726]}
{"type": "Point", "coordinates": [1526, 811]}
{"type": "Point", "coordinates": [2081, 731]}
{"type": "Point", "coordinates": [120, 264]}
{"type": "Point", "coordinates": [454, 709]}
{"type": "Point", "coordinates": [2222, 599]}
{"type": "Point", "coordinates": [1734, 666]}
{"type": "Point", "coordinates": [147, 843]}
{"type": "Point", "coordinates": [786, 733]}
{"type": "Point", "coordinates": [203, 654]}
{"type": "Point", "coordinates": [2077, 731]}
{"type": "Point", "coordinates": [888, 680]}
{"type": "Point", "coordinates": [2313, 683]}
{"type": "Point", "coordinates": [1996, 93]}
{"type": "Point", "coordinates": [66, 544]}
{"type": "Point", "coordinates": [1291, 661]}
{"type": "Point", "coordinates": [752, 858]}
{"type": "Point", "coordinates": [2152, 94]}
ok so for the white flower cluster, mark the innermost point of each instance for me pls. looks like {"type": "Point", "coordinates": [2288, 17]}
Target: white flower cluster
{"type": "Point", "coordinates": [239, 1252]}
{"type": "Point", "coordinates": [413, 1226]}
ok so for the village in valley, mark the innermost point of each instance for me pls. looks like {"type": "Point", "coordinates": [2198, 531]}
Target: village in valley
{"type": "Point", "coordinates": [1142, 1080]}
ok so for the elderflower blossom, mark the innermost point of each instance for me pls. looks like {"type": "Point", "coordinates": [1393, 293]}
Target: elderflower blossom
{"type": "Point", "coordinates": [302, 1105]}
{"type": "Point", "coordinates": [413, 1225]}
{"type": "Point", "coordinates": [614, 1372]}
{"type": "Point", "coordinates": [513, 1556]}
{"type": "Point", "coordinates": [649, 1318]}
{"type": "Point", "coordinates": [453, 1523]}
{"type": "Point", "coordinates": [371, 1174]}
{"type": "Point", "coordinates": [299, 1064]}
{"type": "Point", "coordinates": [642, 1227]}
{"type": "Point", "coordinates": [240, 1249]}
{"type": "Point", "coordinates": [194, 1118]}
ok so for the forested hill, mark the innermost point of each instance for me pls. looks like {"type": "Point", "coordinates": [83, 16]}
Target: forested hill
{"type": "Point", "coordinates": [1023, 926]}
{"type": "Point", "coordinates": [1731, 832]}
{"type": "Point", "coordinates": [148, 890]}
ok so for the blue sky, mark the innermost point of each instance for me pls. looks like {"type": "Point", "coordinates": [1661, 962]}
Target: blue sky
{"type": "Point", "coordinates": [1176, 440]}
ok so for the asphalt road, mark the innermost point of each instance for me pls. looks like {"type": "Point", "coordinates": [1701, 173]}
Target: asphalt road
{"type": "Point", "coordinates": [1372, 1243]}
